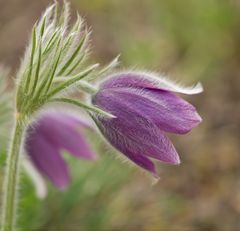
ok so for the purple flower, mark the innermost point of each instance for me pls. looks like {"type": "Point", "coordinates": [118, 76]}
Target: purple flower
{"type": "Point", "coordinates": [53, 133]}
{"type": "Point", "coordinates": [145, 108]}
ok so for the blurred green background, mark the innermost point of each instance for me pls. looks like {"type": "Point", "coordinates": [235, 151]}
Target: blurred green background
{"type": "Point", "coordinates": [189, 40]}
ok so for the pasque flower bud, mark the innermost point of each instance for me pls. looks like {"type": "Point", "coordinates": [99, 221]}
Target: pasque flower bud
{"type": "Point", "coordinates": [145, 107]}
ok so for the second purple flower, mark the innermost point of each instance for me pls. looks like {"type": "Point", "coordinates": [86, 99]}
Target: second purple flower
{"type": "Point", "coordinates": [53, 133]}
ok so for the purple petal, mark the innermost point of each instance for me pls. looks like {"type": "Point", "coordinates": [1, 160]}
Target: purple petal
{"type": "Point", "coordinates": [164, 109]}
{"type": "Point", "coordinates": [147, 80]}
{"type": "Point", "coordinates": [143, 162]}
{"type": "Point", "coordinates": [47, 159]}
{"type": "Point", "coordinates": [132, 133]}
{"type": "Point", "coordinates": [51, 134]}
{"type": "Point", "coordinates": [126, 146]}
{"type": "Point", "coordinates": [63, 131]}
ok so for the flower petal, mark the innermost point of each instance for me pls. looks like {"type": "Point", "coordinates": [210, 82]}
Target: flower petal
{"type": "Point", "coordinates": [143, 162]}
{"type": "Point", "coordinates": [123, 144]}
{"type": "Point", "coordinates": [164, 109]}
{"type": "Point", "coordinates": [132, 133]}
{"type": "Point", "coordinates": [63, 131]}
{"type": "Point", "coordinates": [149, 80]}
{"type": "Point", "coordinates": [134, 137]}
{"type": "Point", "coordinates": [47, 159]}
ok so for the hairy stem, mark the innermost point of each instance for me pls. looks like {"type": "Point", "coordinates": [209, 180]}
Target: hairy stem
{"type": "Point", "coordinates": [10, 187]}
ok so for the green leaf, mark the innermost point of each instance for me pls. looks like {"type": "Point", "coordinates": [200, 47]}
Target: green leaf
{"type": "Point", "coordinates": [43, 26]}
{"type": "Point", "coordinates": [34, 41]}
{"type": "Point", "coordinates": [54, 69]}
{"type": "Point", "coordinates": [110, 66]}
{"type": "Point", "coordinates": [52, 41]}
{"type": "Point", "coordinates": [72, 80]}
{"type": "Point", "coordinates": [83, 106]}
{"type": "Point", "coordinates": [49, 75]}
{"type": "Point", "coordinates": [74, 54]}
{"type": "Point", "coordinates": [37, 69]}
{"type": "Point", "coordinates": [77, 64]}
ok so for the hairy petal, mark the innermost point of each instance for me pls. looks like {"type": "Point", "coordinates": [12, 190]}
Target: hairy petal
{"type": "Point", "coordinates": [143, 162]}
{"type": "Point", "coordinates": [164, 109]}
{"type": "Point", "coordinates": [47, 159]}
{"type": "Point", "coordinates": [133, 134]}
{"type": "Point", "coordinates": [46, 139]}
{"type": "Point", "coordinates": [63, 131]}
{"type": "Point", "coordinates": [147, 80]}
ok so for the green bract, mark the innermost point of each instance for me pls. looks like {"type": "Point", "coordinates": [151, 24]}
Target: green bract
{"type": "Point", "coordinates": [54, 61]}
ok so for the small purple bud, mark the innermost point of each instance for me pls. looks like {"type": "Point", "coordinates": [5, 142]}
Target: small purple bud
{"type": "Point", "coordinates": [145, 107]}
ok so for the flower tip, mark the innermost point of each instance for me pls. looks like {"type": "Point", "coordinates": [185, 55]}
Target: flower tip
{"type": "Point", "coordinates": [198, 88]}
{"type": "Point", "coordinates": [116, 60]}
{"type": "Point", "coordinates": [112, 116]}
{"type": "Point", "coordinates": [41, 195]}
{"type": "Point", "coordinates": [61, 184]}
{"type": "Point", "coordinates": [94, 157]}
{"type": "Point", "coordinates": [63, 187]}
{"type": "Point", "coordinates": [108, 115]}
{"type": "Point", "coordinates": [155, 179]}
{"type": "Point", "coordinates": [95, 65]}
{"type": "Point", "coordinates": [199, 118]}
{"type": "Point", "coordinates": [177, 161]}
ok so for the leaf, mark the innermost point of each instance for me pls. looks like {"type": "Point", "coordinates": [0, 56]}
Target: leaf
{"type": "Point", "coordinates": [72, 80]}
{"type": "Point", "coordinates": [83, 106]}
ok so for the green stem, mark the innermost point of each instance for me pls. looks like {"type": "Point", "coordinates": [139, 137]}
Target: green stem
{"type": "Point", "coordinates": [10, 187]}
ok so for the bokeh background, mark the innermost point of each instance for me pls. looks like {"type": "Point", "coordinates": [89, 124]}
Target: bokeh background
{"type": "Point", "coordinates": [189, 40]}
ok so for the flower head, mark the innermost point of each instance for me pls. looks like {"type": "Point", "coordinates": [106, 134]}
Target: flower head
{"type": "Point", "coordinates": [52, 134]}
{"type": "Point", "coordinates": [145, 108]}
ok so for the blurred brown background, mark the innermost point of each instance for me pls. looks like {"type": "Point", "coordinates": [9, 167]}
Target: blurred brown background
{"type": "Point", "coordinates": [190, 41]}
